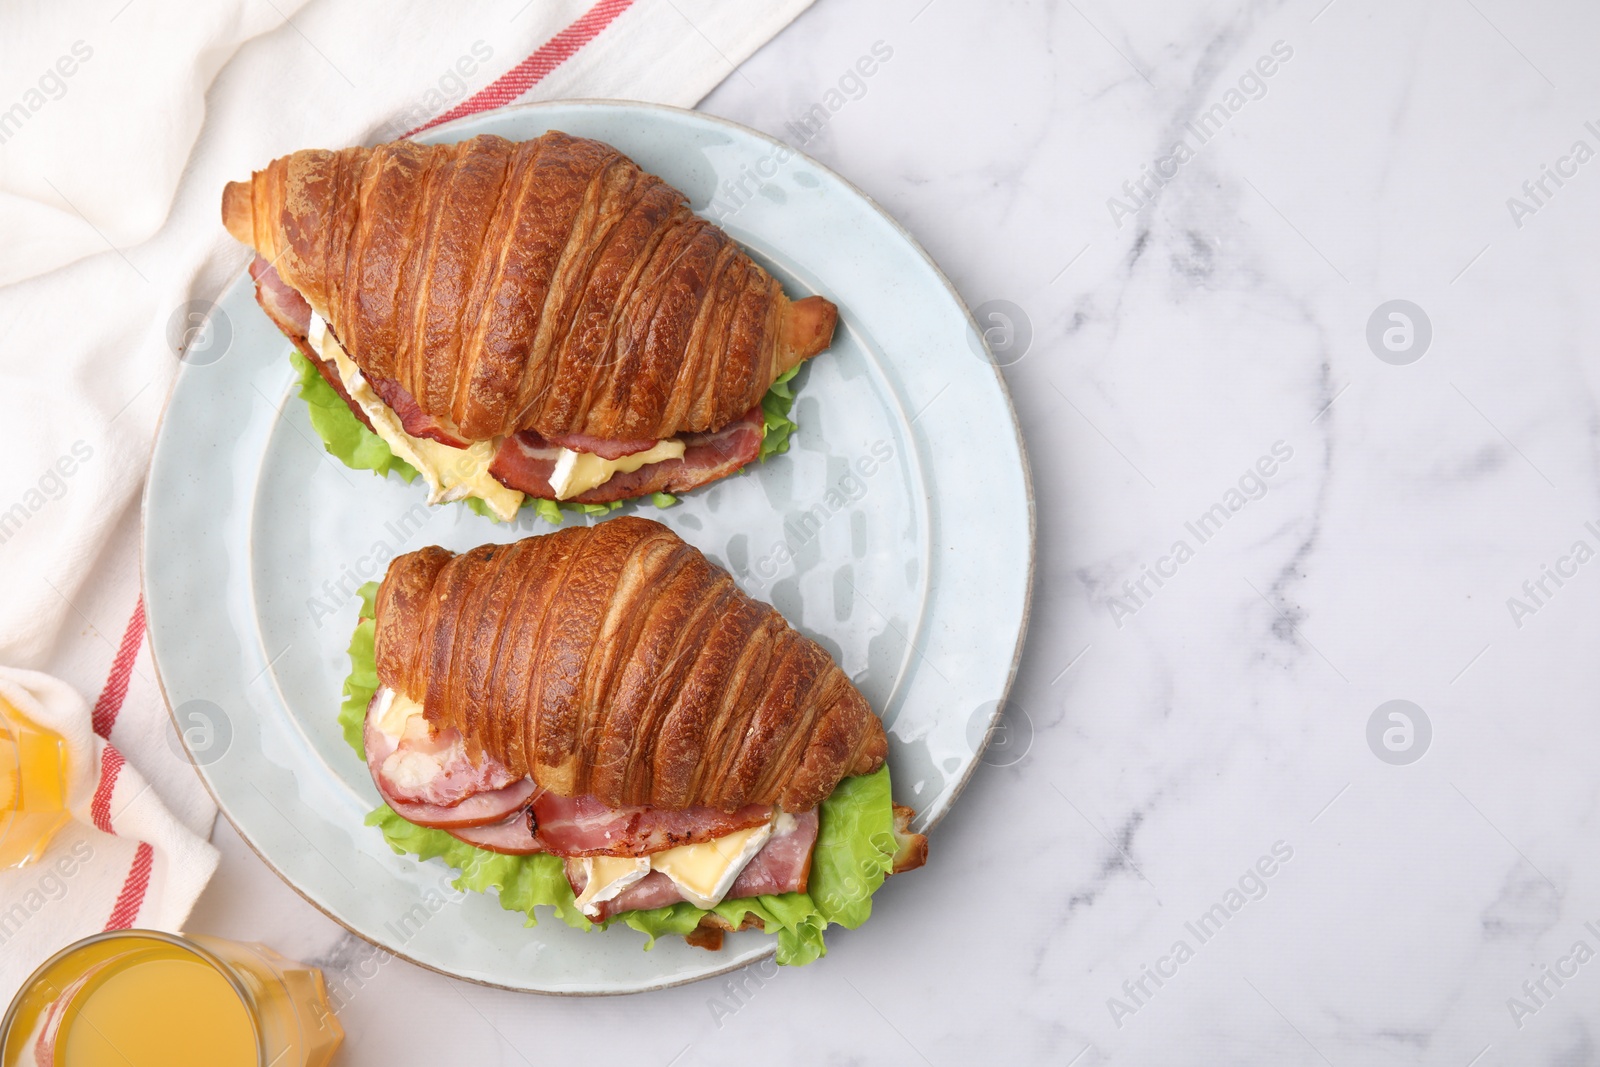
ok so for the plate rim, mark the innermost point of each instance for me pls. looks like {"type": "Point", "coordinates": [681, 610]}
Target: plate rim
{"type": "Point", "coordinates": [1025, 620]}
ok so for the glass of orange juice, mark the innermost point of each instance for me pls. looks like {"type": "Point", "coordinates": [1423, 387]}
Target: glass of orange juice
{"type": "Point", "coordinates": [140, 998]}
{"type": "Point", "coordinates": [33, 787]}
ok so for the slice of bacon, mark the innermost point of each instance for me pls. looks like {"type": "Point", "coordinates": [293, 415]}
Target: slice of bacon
{"type": "Point", "coordinates": [582, 442]}
{"type": "Point", "coordinates": [282, 302]}
{"type": "Point", "coordinates": [526, 461]}
{"type": "Point", "coordinates": [654, 890]}
{"type": "Point", "coordinates": [461, 793]}
{"type": "Point", "coordinates": [457, 776]}
{"type": "Point", "coordinates": [289, 311]}
{"type": "Point", "coordinates": [782, 866]}
{"type": "Point", "coordinates": [784, 863]}
{"type": "Point", "coordinates": [514, 836]}
{"type": "Point", "coordinates": [583, 826]}
{"type": "Point", "coordinates": [413, 419]}
{"type": "Point", "coordinates": [480, 809]}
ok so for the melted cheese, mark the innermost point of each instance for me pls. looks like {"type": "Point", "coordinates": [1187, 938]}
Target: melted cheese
{"type": "Point", "coordinates": [703, 873]}
{"type": "Point", "coordinates": [578, 472]}
{"type": "Point", "coordinates": [395, 713]}
{"type": "Point", "coordinates": [451, 473]}
{"type": "Point", "coordinates": [607, 877]}
{"type": "Point", "coordinates": [399, 717]}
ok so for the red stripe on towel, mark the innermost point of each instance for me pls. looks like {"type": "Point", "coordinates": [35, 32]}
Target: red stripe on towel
{"type": "Point", "coordinates": [111, 764]}
{"type": "Point", "coordinates": [116, 689]}
{"type": "Point", "coordinates": [531, 71]}
{"type": "Point", "coordinates": [126, 910]}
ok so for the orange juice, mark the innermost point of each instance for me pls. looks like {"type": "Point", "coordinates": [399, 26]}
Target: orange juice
{"type": "Point", "coordinates": [145, 999]}
{"type": "Point", "coordinates": [33, 787]}
{"type": "Point", "coordinates": [131, 1014]}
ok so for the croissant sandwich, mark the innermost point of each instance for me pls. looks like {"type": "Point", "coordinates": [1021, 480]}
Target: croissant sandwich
{"type": "Point", "coordinates": [606, 703]}
{"type": "Point", "coordinates": [536, 318]}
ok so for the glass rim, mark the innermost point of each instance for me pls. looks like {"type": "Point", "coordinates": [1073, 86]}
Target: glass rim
{"type": "Point", "coordinates": [11, 767]}
{"type": "Point", "coordinates": [10, 733]}
{"type": "Point", "coordinates": [216, 963]}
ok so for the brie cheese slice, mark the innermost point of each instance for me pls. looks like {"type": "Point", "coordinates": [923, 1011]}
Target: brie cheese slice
{"type": "Point", "coordinates": [578, 472]}
{"type": "Point", "coordinates": [705, 872]}
{"type": "Point", "coordinates": [608, 876]}
{"type": "Point", "coordinates": [451, 473]}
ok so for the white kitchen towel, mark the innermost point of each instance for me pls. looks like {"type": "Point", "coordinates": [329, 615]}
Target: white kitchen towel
{"type": "Point", "coordinates": [128, 860]}
{"type": "Point", "coordinates": [120, 123]}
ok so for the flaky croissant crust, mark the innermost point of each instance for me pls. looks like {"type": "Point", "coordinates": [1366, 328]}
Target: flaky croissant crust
{"type": "Point", "coordinates": [615, 660]}
{"type": "Point", "coordinates": [549, 285]}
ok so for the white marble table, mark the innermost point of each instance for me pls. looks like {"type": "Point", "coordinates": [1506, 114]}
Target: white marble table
{"type": "Point", "coordinates": [1098, 896]}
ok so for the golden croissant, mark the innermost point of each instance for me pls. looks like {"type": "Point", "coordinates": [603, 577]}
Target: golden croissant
{"type": "Point", "coordinates": [517, 301]}
{"type": "Point", "coordinates": [615, 661]}
{"type": "Point", "coordinates": [606, 704]}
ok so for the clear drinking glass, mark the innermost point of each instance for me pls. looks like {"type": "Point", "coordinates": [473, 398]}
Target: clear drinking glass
{"type": "Point", "coordinates": [33, 787]}
{"type": "Point", "coordinates": [141, 998]}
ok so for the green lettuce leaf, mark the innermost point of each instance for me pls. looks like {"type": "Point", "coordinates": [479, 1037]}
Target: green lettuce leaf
{"type": "Point", "coordinates": [776, 423]}
{"type": "Point", "coordinates": [362, 681]}
{"type": "Point", "coordinates": [342, 433]}
{"type": "Point", "coordinates": [854, 851]}
{"type": "Point", "coordinates": [792, 916]}
{"type": "Point", "coordinates": [548, 510]}
{"type": "Point", "coordinates": [522, 883]}
{"type": "Point", "coordinates": [855, 848]}
{"type": "Point", "coordinates": [344, 436]}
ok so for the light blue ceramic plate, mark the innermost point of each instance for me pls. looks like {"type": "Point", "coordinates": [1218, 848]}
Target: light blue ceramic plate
{"type": "Point", "coordinates": [897, 531]}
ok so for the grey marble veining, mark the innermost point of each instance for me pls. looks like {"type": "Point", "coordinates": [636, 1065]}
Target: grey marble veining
{"type": "Point", "coordinates": [1208, 839]}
